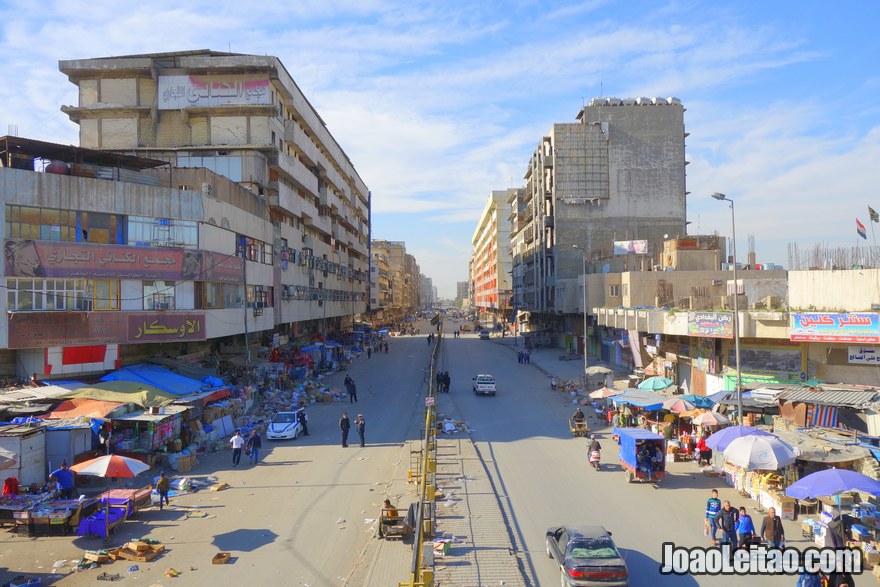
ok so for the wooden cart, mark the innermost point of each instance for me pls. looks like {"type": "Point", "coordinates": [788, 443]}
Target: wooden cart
{"type": "Point", "coordinates": [578, 427]}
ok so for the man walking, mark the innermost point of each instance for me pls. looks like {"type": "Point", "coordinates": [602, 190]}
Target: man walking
{"type": "Point", "coordinates": [352, 391]}
{"type": "Point", "coordinates": [345, 426]}
{"type": "Point", "coordinates": [745, 529]}
{"type": "Point", "coordinates": [713, 506]}
{"type": "Point", "coordinates": [369, 352]}
{"type": "Point", "coordinates": [361, 426]}
{"type": "Point", "coordinates": [254, 444]}
{"type": "Point", "coordinates": [771, 529]}
{"type": "Point", "coordinates": [237, 442]}
{"type": "Point", "coordinates": [163, 485]}
{"type": "Point", "coordinates": [728, 519]}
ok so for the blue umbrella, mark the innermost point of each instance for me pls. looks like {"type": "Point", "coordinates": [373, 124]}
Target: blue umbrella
{"type": "Point", "coordinates": [722, 439]}
{"type": "Point", "coordinates": [832, 482]}
{"type": "Point", "coordinates": [655, 383]}
{"type": "Point", "coordinates": [699, 401]}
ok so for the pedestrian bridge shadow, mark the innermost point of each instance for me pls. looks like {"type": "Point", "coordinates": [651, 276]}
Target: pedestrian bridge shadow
{"type": "Point", "coordinates": [244, 539]}
{"type": "Point", "coordinates": [644, 570]}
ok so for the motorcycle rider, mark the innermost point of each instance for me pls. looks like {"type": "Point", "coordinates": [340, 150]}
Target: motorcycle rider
{"type": "Point", "coordinates": [594, 451]}
{"type": "Point", "coordinates": [594, 444]}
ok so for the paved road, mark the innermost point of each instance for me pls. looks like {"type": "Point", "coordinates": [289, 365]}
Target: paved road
{"type": "Point", "coordinates": [280, 519]}
{"type": "Point", "coordinates": [542, 478]}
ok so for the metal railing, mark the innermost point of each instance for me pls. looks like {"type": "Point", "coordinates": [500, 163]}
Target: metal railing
{"type": "Point", "coordinates": [422, 568]}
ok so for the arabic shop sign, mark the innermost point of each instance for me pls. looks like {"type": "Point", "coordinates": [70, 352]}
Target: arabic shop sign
{"type": "Point", "coordinates": [710, 324]}
{"type": "Point", "coordinates": [165, 327]}
{"type": "Point", "coordinates": [44, 329]}
{"type": "Point", "coordinates": [827, 327]}
{"type": "Point", "coordinates": [187, 91]}
{"type": "Point", "coordinates": [27, 258]}
{"type": "Point", "coordinates": [859, 355]}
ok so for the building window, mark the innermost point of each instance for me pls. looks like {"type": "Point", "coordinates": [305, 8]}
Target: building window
{"type": "Point", "coordinates": [260, 296]}
{"type": "Point", "coordinates": [102, 294]}
{"type": "Point", "coordinates": [52, 295]}
{"type": "Point", "coordinates": [614, 291]}
{"type": "Point", "coordinates": [100, 228]}
{"type": "Point", "coordinates": [213, 296]}
{"type": "Point", "coordinates": [625, 289]}
{"type": "Point", "coordinates": [253, 249]}
{"type": "Point", "coordinates": [143, 231]}
{"type": "Point", "coordinates": [27, 222]}
{"type": "Point", "coordinates": [159, 295]}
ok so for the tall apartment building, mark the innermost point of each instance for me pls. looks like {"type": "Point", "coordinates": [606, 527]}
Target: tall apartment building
{"type": "Point", "coordinates": [617, 174]}
{"type": "Point", "coordinates": [243, 117]}
{"type": "Point", "coordinates": [427, 295]}
{"type": "Point", "coordinates": [461, 291]}
{"type": "Point", "coordinates": [402, 298]}
{"type": "Point", "coordinates": [491, 260]}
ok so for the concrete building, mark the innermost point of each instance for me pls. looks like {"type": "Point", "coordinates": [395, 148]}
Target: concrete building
{"type": "Point", "coordinates": [402, 297]}
{"type": "Point", "coordinates": [109, 261]}
{"type": "Point", "coordinates": [427, 292]}
{"type": "Point", "coordinates": [491, 258]}
{"type": "Point", "coordinates": [461, 292]}
{"type": "Point", "coordinates": [243, 117]}
{"type": "Point", "coordinates": [615, 175]}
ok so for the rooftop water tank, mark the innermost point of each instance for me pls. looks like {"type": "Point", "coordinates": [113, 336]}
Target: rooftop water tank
{"type": "Point", "coordinates": [58, 168]}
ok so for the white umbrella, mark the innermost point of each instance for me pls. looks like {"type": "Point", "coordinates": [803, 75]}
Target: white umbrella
{"type": "Point", "coordinates": [604, 392]}
{"type": "Point", "coordinates": [711, 419]}
{"type": "Point", "coordinates": [760, 452]}
{"type": "Point", "coordinates": [7, 459]}
{"type": "Point", "coordinates": [597, 370]}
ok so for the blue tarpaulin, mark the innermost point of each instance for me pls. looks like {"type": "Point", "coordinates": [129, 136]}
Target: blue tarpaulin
{"type": "Point", "coordinates": [157, 377]}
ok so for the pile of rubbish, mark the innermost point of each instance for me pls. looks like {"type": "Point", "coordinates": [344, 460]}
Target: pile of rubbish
{"type": "Point", "coordinates": [450, 426]}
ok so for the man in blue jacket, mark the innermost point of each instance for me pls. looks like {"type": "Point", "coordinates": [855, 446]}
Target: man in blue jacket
{"type": "Point", "coordinates": [713, 506]}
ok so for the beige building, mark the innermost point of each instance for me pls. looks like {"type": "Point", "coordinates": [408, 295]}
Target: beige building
{"type": "Point", "coordinates": [243, 117]}
{"type": "Point", "coordinates": [402, 298]}
{"type": "Point", "coordinates": [491, 262]}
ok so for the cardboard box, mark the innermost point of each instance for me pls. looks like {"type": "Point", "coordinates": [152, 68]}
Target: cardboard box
{"type": "Point", "coordinates": [138, 546]}
{"type": "Point", "coordinates": [184, 463]}
{"type": "Point", "coordinates": [97, 557]}
{"type": "Point", "coordinates": [221, 558]}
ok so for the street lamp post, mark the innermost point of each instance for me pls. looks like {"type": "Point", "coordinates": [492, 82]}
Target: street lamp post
{"type": "Point", "coordinates": [584, 267]}
{"type": "Point", "coordinates": [739, 407]}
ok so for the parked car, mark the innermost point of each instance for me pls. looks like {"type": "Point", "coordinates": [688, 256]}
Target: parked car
{"type": "Point", "coordinates": [285, 425]}
{"type": "Point", "coordinates": [484, 335]}
{"type": "Point", "coordinates": [586, 556]}
{"type": "Point", "coordinates": [484, 384]}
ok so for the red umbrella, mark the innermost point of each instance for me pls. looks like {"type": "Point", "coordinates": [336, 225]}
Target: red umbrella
{"type": "Point", "coordinates": [110, 467]}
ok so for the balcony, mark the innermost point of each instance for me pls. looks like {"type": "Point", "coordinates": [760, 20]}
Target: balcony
{"type": "Point", "coordinates": [548, 161]}
{"type": "Point", "coordinates": [294, 134]}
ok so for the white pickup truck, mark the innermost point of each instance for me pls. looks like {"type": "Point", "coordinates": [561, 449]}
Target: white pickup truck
{"type": "Point", "coordinates": [484, 384]}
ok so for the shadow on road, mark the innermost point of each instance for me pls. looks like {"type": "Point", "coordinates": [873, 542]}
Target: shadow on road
{"type": "Point", "coordinates": [645, 570]}
{"type": "Point", "coordinates": [244, 540]}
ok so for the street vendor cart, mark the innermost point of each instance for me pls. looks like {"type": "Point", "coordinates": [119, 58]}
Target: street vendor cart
{"type": "Point", "coordinates": [578, 427]}
{"type": "Point", "coordinates": [633, 441]}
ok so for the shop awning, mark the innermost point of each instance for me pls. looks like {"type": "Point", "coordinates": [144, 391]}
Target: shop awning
{"type": "Point", "coordinates": [170, 411]}
{"type": "Point", "coordinates": [828, 448]}
{"type": "Point", "coordinates": [83, 407]}
{"type": "Point", "coordinates": [125, 392]}
{"type": "Point", "coordinates": [640, 398]}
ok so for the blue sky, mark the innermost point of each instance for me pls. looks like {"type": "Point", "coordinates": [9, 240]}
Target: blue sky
{"type": "Point", "coordinates": [439, 103]}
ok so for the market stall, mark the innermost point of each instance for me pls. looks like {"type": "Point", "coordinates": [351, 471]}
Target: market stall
{"type": "Point", "coordinates": [762, 466]}
{"type": "Point", "coordinates": [141, 434]}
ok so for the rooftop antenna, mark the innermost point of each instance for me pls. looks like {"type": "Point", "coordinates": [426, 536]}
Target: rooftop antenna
{"type": "Point", "coordinates": [601, 88]}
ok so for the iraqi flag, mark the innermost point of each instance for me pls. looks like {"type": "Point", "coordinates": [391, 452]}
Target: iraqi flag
{"type": "Point", "coordinates": [860, 228]}
{"type": "Point", "coordinates": [873, 216]}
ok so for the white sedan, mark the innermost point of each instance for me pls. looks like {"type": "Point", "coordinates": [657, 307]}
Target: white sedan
{"type": "Point", "coordinates": [285, 425]}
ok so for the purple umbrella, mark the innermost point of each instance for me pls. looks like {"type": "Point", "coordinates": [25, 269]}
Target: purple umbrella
{"type": "Point", "coordinates": [722, 439]}
{"type": "Point", "coordinates": [832, 482]}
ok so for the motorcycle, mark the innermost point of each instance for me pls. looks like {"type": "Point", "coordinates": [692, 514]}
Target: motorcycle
{"type": "Point", "coordinates": [595, 459]}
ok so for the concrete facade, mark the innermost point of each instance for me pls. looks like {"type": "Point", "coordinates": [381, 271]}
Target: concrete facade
{"type": "Point", "coordinates": [401, 298]}
{"type": "Point", "coordinates": [617, 174]}
{"type": "Point", "coordinates": [491, 256]}
{"type": "Point", "coordinates": [244, 117]}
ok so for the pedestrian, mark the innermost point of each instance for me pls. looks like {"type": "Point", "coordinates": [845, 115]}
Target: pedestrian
{"type": "Point", "coordinates": [528, 357]}
{"type": "Point", "coordinates": [352, 391]}
{"type": "Point", "coordinates": [65, 482]}
{"type": "Point", "coordinates": [345, 426]}
{"type": "Point", "coordinates": [387, 347]}
{"type": "Point", "coordinates": [303, 421]}
{"type": "Point", "coordinates": [745, 528]}
{"type": "Point", "coordinates": [728, 519]}
{"type": "Point", "coordinates": [771, 529]}
{"type": "Point", "coordinates": [361, 425]}
{"type": "Point", "coordinates": [519, 357]}
{"type": "Point", "coordinates": [163, 485]}
{"type": "Point", "coordinates": [237, 442]}
{"type": "Point", "coordinates": [369, 352]}
{"type": "Point", "coordinates": [254, 444]}
{"type": "Point", "coordinates": [713, 506]}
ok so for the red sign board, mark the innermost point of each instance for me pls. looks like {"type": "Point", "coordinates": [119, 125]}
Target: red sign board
{"type": "Point", "coordinates": [28, 258]}
{"type": "Point", "coordinates": [42, 329]}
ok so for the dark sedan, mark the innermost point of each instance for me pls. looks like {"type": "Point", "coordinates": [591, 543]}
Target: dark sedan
{"type": "Point", "coordinates": [586, 556]}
